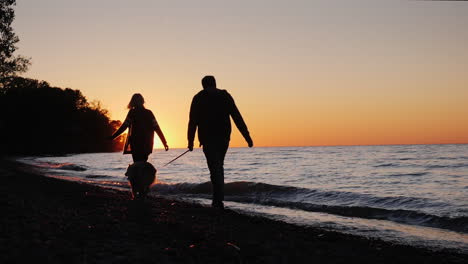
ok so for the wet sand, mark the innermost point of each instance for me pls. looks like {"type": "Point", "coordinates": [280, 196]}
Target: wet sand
{"type": "Point", "coordinates": [57, 221]}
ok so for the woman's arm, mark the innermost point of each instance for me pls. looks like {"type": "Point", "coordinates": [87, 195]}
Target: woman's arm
{"type": "Point", "coordinates": [122, 128]}
{"type": "Point", "coordinates": [158, 131]}
{"type": "Point", "coordinates": [161, 136]}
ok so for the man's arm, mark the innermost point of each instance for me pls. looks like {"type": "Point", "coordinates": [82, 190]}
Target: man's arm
{"type": "Point", "coordinates": [192, 125]}
{"type": "Point", "coordinates": [239, 121]}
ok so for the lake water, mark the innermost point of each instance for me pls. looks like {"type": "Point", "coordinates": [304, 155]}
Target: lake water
{"type": "Point", "coordinates": [409, 194]}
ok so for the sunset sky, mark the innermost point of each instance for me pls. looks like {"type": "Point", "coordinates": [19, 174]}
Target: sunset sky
{"type": "Point", "coordinates": [303, 73]}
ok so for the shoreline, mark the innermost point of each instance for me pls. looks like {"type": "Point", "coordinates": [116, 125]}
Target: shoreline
{"type": "Point", "coordinates": [62, 221]}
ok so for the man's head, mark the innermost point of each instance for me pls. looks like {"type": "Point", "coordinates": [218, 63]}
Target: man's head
{"type": "Point", "coordinates": [208, 82]}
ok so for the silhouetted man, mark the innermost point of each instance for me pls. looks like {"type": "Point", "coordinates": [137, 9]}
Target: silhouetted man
{"type": "Point", "coordinates": [210, 111]}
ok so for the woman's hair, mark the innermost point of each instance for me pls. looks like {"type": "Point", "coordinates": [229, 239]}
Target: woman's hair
{"type": "Point", "coordinates": [136, 101]}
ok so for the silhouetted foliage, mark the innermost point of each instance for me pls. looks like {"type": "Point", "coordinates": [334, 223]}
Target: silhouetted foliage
{"type": "Point", "coordinates": [36, 118]}
{"type": "Point", "coordinates": [9, 64]}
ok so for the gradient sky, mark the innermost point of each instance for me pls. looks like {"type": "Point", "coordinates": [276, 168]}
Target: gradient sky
{"type": "Point", "coordinates": [301, 72]}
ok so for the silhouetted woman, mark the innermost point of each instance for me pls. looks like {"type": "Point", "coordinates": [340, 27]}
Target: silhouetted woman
{"type": "Point", "coordinates": [142, 124]}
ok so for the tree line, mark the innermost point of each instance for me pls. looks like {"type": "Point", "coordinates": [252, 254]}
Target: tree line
{"type": "Point", "coordinates": [36, 118]}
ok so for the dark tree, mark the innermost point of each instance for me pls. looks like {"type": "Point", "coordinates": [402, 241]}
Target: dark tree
{"type": "Point", "coordinates": [9, 63]}
{"type": "Point", "coordinates": [36, 118]}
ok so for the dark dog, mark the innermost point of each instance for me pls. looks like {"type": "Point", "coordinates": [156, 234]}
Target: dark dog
{"type": "Point", "coordinates": [141, 175]}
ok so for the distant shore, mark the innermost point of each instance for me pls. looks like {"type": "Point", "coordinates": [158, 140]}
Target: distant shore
{"type": "Point", "coordinates": [56, 221]}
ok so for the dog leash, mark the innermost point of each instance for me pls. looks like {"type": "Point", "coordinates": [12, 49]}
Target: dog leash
{"type": "Point", "coordinates": [176, 158]}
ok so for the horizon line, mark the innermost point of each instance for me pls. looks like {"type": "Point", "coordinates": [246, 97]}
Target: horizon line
{"type": "Point", "coordinates": [307, 146]}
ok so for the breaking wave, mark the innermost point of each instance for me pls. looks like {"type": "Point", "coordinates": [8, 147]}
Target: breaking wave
{"type": "Point", "coordinates": [61, 166]}
{"type": "Point", "coordinates": [397, 209]}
